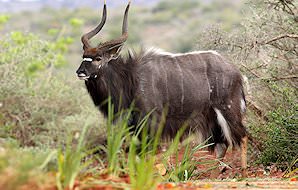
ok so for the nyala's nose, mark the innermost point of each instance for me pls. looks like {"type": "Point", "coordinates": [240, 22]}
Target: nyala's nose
{"type": "Point", "coordinates": [80, 72]}
{"type": "Point", "coordinates": [82, 75]}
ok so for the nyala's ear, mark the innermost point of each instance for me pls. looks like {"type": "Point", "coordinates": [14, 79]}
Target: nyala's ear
{"type": "Point", "coordinates": [115, 51]}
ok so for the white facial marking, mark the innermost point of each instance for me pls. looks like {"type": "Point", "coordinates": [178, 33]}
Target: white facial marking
{"type": "Point", "coordinates": [229, 106]}
{"type": "Point", "coordinates": [84, 78]}
{"type": "Point", "coordinates": [87, 59]}
{"type": "Point", "coordinates": [82, 75]}
{"type": "Point", "coordinates": [224, 126]}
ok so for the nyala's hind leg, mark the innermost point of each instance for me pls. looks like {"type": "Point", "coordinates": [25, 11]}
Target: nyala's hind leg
{"type": "Point", "coordinates": [220, 151]}
{"type": "Point", "coordinates": [244, 156]}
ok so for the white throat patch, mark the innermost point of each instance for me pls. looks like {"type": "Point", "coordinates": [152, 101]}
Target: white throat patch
{"type": "Point", "coordinates": [87, 59]}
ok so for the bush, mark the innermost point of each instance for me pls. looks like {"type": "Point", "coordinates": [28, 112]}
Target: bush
{"type": "Point", "coordinates": [281, 145]}
{"type": "Point", "coordinates": [38, 105]}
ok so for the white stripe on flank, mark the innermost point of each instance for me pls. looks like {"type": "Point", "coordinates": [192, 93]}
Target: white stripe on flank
{"type": "Point", "coordinates": [224, 126]}
{"type": "Point", "coordinates": [182, 85]}
{"type": "Point", "coordinates": [209, 88]}
{"type": "Point", "coordinates": [243, 106]}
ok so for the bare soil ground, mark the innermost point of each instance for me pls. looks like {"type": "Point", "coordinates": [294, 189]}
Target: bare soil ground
{"type": "Point", "coordinates": [251, 185]}
{"type": "Point", "coordinates": [258, 177]}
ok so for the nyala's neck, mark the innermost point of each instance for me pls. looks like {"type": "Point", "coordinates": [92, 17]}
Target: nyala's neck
{"type": "Point", "coordinates": [117, 81]}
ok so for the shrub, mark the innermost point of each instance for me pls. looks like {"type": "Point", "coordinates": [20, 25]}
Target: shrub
{"type": "Point", "coordinates": [38, 105]}
{"type": "Point", "coordinates": [281, 144]}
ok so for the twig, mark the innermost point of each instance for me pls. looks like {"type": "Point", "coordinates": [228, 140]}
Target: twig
{"type": "Point", "coordinates": [256, 144]}
{"type": "Point", "coordinates": [257, 110]}
{"type": "Point", "coordinates": [250, 70]}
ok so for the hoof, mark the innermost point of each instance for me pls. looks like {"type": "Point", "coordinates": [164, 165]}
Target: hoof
{"type": "Point", "coordinates": [244, 173]}
{"type": "Point", "coordinates": [224, 167]}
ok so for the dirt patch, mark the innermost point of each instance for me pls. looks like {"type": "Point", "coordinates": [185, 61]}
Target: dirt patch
{"type": "Point", "coordinates": [278, 184]}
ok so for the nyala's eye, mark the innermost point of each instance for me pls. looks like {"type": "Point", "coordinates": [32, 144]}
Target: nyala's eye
{"type": "Point", "coordinates": [98, 58]}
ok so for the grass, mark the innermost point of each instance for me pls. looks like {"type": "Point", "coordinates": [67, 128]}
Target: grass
{"type": "Point", "coordinates": [185, 169]}
{"type": "Point", "coordinates": [70, 162]}
{"type": "Point", "coordinates": [141, 165]}
{"type": "Point", "coordinates": [117, 133]}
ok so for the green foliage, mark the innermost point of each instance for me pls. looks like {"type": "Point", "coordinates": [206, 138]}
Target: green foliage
{"type": "Point", "coordinates": [4, 19]}
{"type": "Point", "coordinates": [75, 22]}
{"type": "Point", "coordinates": [282, 131]}
{"type": "Point", "coordinates": [168, 11]}
{"type": "Point", "coordinates": [19, 166]}
{"type": "Point", "coordinates": [53, 31]}
{"type": "Point", "coordinates": [70, 162]}
{"type": "Point", "coordinates": [186, 168]}
{"type": "Point", "coordinates": [44, 54]}
{"type": "Point", "coordinates": [116, 135]}
{"type": "Point", "coordinates": [62, 44]}
{"type": "Point", "coordinates": [38, 106]}
{"type": "Point", "coordinates": [292, 168]}
{"type": "Point", "coordinates": [176, 6]}
{"type": "Point", "coordinates": [142, 171]}
{"type": "Point", "coordinates": [19, 38]}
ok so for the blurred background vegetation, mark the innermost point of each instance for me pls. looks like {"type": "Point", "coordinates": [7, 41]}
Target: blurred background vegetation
{"type": "Point", "coordinates": [42, 102]}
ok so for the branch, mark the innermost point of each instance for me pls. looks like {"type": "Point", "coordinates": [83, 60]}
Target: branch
{"type": "Point", "coordinates": [283, 5]}
{"type": "Point", "coordinates": [257, 110]}
{"type": "Point", "coordinates": [281, 78]}
{"type": "Point", "coordinates": [281, 37]}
